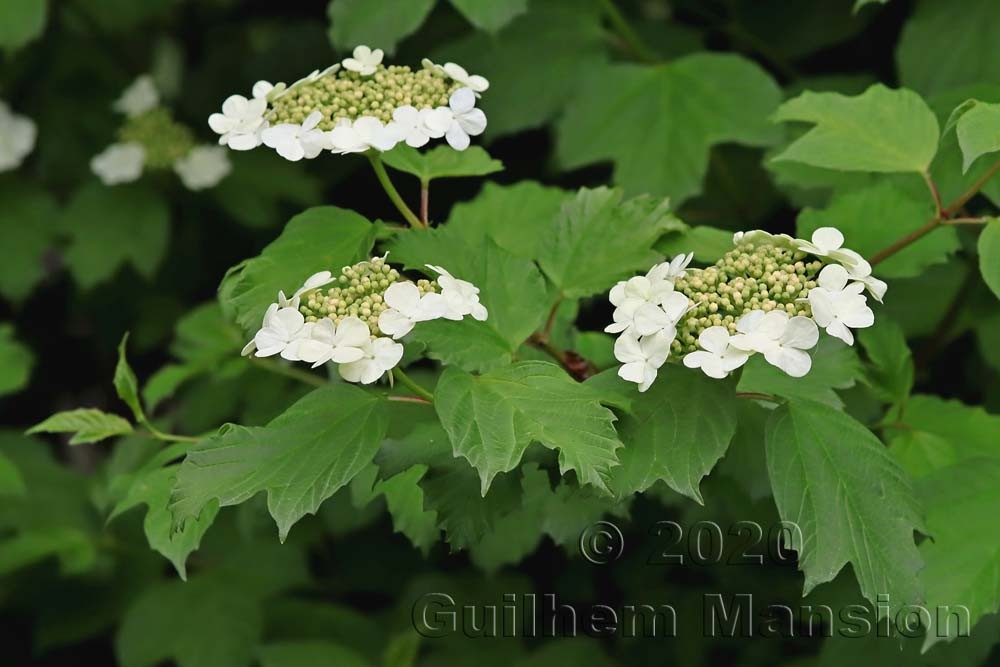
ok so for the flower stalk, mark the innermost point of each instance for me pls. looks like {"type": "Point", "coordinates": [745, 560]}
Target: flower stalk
{"type": "Point", "coordinates": [375, 159]}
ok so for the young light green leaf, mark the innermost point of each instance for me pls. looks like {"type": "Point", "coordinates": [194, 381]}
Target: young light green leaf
{"type": "Point", "coordinates": [152, 488]}
{"type": "Point", "coordinates": [377, 24]}
{"type": "Point", "coordinates": [324, 237]}
{"type": "Point", "coordinates": [989, 255]}
{"type": "Point", "coordinates": [300, 458]}
{"type": "Point", "coordinates": [534, 64]}
{"type": "Point", "coordinates": [113, 226]}
{"type": "Point", "coordinates": [941, 49]}
{"type": "Point", "coordinates": [962, 503]}
{"type": "Point", "coordinates": [657, 123]}
{"type": "Point", "coordinates": [21, 21]}
{"type": "Point", "coordinates": [516, 216]}
{"type": "Point", "coordinates": [87, 424]}
{"type": "Point", "coordinates": [313, 653]}
{"type": "Point", "coordinates": [881, 130]}
{"type": "Point", "coordinates": [16, 361]}
{"type": "Point", "coordinates": [978, 132]}
{"type": "Point", "coordinates": [492, 418]}
{"type": "Point", "coordinates": [675, 432]}
{"type": "Point", "coordinates": [897, 213]}
{"type": "Point", "coordinates": [890, 374]}
{"type": "Point", "coordinates": [402, 650]}
{"type": "Point", "coordinates": [853, 504]}
{"type": "Point", "coordinates": [490, 15]}
{"type": "Point", "coordinates": [598, 239]}
{"type": "Point", "coordinates": [442, 162]}
{"type": "Point", "coordinates": [504, 281]}
{"type": "Point", "coordinates": [126, 383]}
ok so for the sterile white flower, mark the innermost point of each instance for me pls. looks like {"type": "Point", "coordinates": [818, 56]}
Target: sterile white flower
{"type": "Point", "coordinates": [837, 306]}
{"type": "Point", "coordinates": [294, 142]}
{"type": "Point", "coordinates": [119, 163]}
{"type": "Point", "coordinates": [828, 242]}
{"type": "Point", "coordinates": [718, 357]}
{"type": "Point", "coordinates": [17, 138]}
{"type": "Point", "coordinates": [780, 338]}
{"type": "Point", "coordinates": [357, 137]}
{"type": "Point", "coordinates": [638, 299]}
{"type": "Point", "coordinates": [365, 60]}
{"type": "Point", "coordinates": [138, 98]}
{"type": "Point", "coordinates": [325, 341]}
{"type": "Point", "coordinates": [459, 120]}
{"type": "Point", "coordinates": [380, 355]}
{"type": "Point", "coordinates": [203, 167]}
{"type": "Point", "coordinates": [407, 307]}
{"type": "Point", "coordinates": [460, 296]}
{"type": "Point", "coordinates": [409, 124]}
{"type": "Point", "coordinates": [240, 122]}
{"type": "Point", "coordinates": [641, 357]}
{"type": "Point", "coordinates": [474, 82]}
{"type": "Point", "coordinates": [281, 327]}
{"type": "Point", "coordinates": [649, 319]}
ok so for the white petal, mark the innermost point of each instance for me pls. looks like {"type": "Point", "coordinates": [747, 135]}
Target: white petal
{"type": "Point", "coordinates": [356, 370]}
{"type": "Point", "coordinates": [800, 333]}
{"type": "Point", "coordinates": [457, 138]}
{"type": "Point", "coordinates": [394, 323]}
{"type": "Point", "coordinates": [714, 339]}
{"type": "Point", "coordinates": [473, 122]}
{"type": "Point", "coordinates": [709, 364]}
{"type": "Point", "coordinates": [353, 332]}
{"type": "Point", "coordinates": [627, 349]}
{"type": "Point", "coordinates": [749, 322]}
{"type": "Point", "coordinates": [462, 100]}
{"type": "Point", "coordinates": [633, 372]}
{"type": "Point", "coordinates": [289, 320]}
{"type": "Point", "coordinates": [387, 353]}
{"type": "Point", "coordinates": [833, 277]}
{"type": "Point", "coordinates": [344, 354]}
{"type": "Point", "coordinates": [794, 362]}
{"type": "Point", "coordinates": [827, 238]}
{"type": "Point", "coordinates": [649, 319]}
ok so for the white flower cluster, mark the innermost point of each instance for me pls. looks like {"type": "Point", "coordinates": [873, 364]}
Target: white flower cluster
{"type": "Point", "coordinates": [649, 309]}
{"type": "Point", "coordinates": [362, 107]}
{"type": "Point", "coordinates": [150, 138]}
{"type": "Point", "coordinates": [17, 138]}
{"type": "Point", "coordinates": [357, 322]}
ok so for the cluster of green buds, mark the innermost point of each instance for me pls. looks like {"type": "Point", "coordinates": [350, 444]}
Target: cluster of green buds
{"type": "Point", "coordinates": [748, 277]}
{"type": "Point", "coordinates": [164, 139]}
{"type": "Point", "coordinates": [347, 95]}
{"type": "Point", "coordinates": [358, 292]}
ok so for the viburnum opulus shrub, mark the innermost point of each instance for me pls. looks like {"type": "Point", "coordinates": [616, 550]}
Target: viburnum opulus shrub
{"type": "Point", "coordinates": [544, 360]}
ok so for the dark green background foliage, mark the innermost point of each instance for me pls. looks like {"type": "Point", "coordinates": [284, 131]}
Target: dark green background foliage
{"type": "Point", "coordinates": [886, 455]}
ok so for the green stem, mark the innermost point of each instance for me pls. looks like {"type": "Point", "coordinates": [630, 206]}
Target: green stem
{"type": "Point", "coordinates": [376, 161]}
{"type": "Point", "coordinates": [408, 382]}
{"type": "Point", "coordinates": [288, 371]}
{"type": "Point", "coordinates": [627, 34]}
